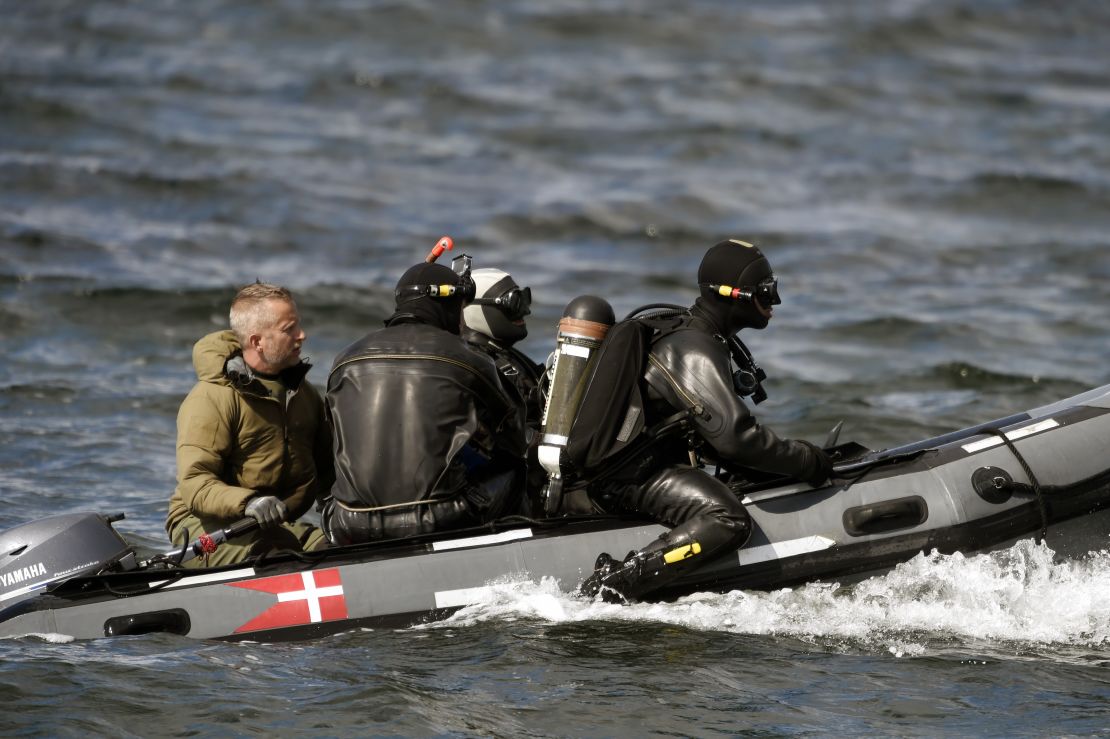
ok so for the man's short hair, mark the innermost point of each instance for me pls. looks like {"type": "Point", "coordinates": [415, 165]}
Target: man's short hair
{"type": "Point", "coordinates": [248, 313]}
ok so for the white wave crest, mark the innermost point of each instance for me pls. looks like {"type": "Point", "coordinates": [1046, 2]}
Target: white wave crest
{"type": "Point", "coordinates": [1020, 594]}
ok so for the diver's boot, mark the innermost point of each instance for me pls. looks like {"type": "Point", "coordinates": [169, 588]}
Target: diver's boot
{"type": "Point", "coordinates": [635, 576]}
{"type": "Point", "coordinates": [640, 572]}
{"type": "Point", "coordinates": [603, 566]}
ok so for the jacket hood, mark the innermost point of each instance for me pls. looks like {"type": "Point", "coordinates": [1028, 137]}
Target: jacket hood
{"type": "Point", "coordinates": [211, 353]}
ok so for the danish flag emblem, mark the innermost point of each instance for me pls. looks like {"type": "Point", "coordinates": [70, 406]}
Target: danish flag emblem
{"type": "Point", "coordinates": [302, 598]}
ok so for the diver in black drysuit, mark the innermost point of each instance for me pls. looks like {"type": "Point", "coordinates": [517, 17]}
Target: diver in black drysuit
{"type": "Point", "coordinates": [493, 323]}
{"type": "Point", "coordinates": [689, 369]}
{"type": "Point", "coordinates": [426, 436]}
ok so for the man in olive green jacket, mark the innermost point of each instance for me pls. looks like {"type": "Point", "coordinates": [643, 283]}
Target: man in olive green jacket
{"type": "Point", "coordinates": [251, 435]}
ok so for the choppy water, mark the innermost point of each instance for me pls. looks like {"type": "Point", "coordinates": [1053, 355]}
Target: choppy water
{"type": "Point", "coordinates": [928, 178]}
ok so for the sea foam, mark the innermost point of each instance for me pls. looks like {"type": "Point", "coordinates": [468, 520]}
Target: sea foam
{"type": "Point", "coordinates": [1020, 594]}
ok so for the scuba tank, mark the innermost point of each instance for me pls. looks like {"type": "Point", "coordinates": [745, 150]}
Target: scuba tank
{"type": "Point", "coordinates": [585, 322]}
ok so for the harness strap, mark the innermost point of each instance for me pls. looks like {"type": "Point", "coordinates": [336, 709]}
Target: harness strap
{"type": "Point", "coordinates": [661, 430]}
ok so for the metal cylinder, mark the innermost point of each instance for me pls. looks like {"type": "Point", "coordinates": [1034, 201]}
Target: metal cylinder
{"type": "Point", "coordinates": [585, 322]}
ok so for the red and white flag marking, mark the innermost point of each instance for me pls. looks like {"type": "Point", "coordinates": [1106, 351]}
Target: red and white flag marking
{"type": "Point", "coordinates": [302, 598]}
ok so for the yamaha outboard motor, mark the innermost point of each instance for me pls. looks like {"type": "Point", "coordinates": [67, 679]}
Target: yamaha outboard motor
{"type": "Point", "coordinates": [57, 548]}
{"type": "Point", "coordinates": [585, 322]}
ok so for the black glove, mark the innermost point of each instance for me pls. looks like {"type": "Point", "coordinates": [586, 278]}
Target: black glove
{"type": "Point", "coordinates": [268, 510]}
{"type": "Point", "coordinates": [823, 465]}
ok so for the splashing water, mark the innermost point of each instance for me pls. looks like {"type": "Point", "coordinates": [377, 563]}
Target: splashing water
{"type": "Point", "coordinates": [1020, 594]}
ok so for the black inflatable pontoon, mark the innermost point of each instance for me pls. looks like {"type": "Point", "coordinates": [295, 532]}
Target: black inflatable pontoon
{"type": "Point", "coordinates": [966, 491]}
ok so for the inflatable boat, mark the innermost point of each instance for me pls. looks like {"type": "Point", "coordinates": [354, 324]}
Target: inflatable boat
{"type": "Point", "coordinates": [978, 488]}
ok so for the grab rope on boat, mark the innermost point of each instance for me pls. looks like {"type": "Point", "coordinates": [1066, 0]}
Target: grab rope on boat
{"type": "Point", "coordinates": [1034, 483]}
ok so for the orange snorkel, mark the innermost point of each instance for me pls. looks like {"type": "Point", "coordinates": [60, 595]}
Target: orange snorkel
{"type": "Point", "coordinates": [446, 243]}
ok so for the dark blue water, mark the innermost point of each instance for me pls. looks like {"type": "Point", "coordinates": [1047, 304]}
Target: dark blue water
{"type": "Point", "coordinates": [929, 180]}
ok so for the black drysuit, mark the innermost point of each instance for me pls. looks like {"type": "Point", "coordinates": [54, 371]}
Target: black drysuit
{"type": "Point", "coordinates": [689, 369]}
{"type": "Point", "coordinates": [426, 438]}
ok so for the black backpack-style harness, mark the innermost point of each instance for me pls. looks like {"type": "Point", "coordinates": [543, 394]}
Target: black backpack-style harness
{"type": "Point", "coordinates": [610, 426]}
{"type": "Point", "coordinates": [610, 423]}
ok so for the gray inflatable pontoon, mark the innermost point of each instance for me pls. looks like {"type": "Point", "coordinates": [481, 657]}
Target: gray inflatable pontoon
{"type": "Point", "coordinates": [967, 491]}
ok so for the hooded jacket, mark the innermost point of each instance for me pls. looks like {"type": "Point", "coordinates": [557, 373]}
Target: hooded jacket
{"type": "Point", "coordinates": [236, 440]}
{"type": "Point", "coordinates": [408, 403]}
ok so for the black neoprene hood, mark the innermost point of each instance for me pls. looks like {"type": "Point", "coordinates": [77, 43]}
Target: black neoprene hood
{"type": "Point", "coordinates": [734, 263]}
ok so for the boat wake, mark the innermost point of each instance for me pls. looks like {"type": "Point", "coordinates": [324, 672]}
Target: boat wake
{"type": "Point", "coordinates": [1023, 594]}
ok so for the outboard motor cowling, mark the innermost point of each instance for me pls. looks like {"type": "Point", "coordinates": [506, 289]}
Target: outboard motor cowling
{"type": "Point", "coordinates": [585, 322]}
{"type": "Point", "coordinates": [57, 548]}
